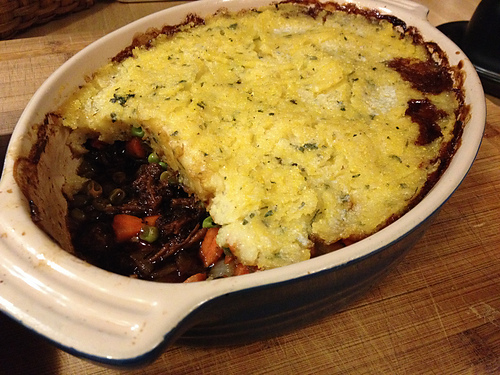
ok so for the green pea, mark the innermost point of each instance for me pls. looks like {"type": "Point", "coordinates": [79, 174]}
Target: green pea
{"type": "Point", "coordinates": [117, 196]}
{"type": "Point", "coordinates": [100, 203]}
{"type": "Point", "coordinates": [86, 169]}
{"type": "Point", "coordinates": [149, 233]}
{"type": "Point", "coordinates": [163, 164]}
{"type": "Point", "coordinates": [78, 214]}
{"type": "Point", "coordinates": [209, 223]}
{"type": "Point", "coordinates": [137, 132]}
{"type": "Point", "coordinates": [153, 158]}
{"type": "Point", "coordinates": [93, 188]}
{"type": "Point", "coordinates": [80, 200]}
{"type": "Point", "coordinates": [165, 176]}
{"type": "Point", "coordinates": [168, 176]}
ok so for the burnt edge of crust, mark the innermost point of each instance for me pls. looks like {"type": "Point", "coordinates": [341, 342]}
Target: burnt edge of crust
{"type": "Point", "coordinates": [314, 8]}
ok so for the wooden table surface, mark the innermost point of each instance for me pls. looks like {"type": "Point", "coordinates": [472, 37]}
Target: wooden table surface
{"type": "Point", "coordinates": [438, 312]}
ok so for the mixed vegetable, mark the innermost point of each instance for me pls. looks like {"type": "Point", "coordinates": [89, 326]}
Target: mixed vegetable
{"type": "Point", "coordinates": [133, 217]}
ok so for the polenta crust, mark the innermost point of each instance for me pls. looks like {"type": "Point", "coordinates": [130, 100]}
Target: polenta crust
{"type": "Point", "coordinates": [289, 126]}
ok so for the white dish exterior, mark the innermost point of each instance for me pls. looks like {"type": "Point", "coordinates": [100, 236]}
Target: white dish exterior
{"type": "Point", "coordinates": [121, 321]}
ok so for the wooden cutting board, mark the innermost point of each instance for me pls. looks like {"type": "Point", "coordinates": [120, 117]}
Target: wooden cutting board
{"type": "Point", "coordinates": [437, 312]}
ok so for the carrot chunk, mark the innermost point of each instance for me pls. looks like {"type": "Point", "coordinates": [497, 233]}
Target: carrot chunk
{"type": "Point", "coordinates": [135, 148]}
{"type": "Point", "coordinates": [241, 269]}
{"type": "Point", "coordinates": [126, 226]}
{"type": "Point", "coordinates": [210, 252]}
{"type": "Point", "coordinates": [96, 143]}
{"type": "Point", "coordinates": [151, 220]}
{"type": "Point", "coordinates": [196, 277]}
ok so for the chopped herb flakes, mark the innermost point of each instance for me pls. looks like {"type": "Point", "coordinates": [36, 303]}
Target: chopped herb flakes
{"type": "Point", "coordinates": [397, 158]}
{"type": "Point", "coordinates": [308, 147]}
{"type": "Point", "coordinates": [297, 122]}
{"type": "Point", "coordinates": [121, 99]}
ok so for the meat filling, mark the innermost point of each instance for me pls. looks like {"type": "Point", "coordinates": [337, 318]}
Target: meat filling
{"type": "Point", "coordinates": [126, 191]}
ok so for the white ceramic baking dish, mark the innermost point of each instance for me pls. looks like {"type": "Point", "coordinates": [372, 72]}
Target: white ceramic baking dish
{"type": "Point", "coordinates": [121, 321]}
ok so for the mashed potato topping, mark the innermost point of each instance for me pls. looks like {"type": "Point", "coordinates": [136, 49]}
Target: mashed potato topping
{"type": "Point", "coordinates": [291, 126]}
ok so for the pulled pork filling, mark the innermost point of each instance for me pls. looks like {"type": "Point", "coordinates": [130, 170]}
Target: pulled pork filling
{"type": "Point", "coordinates": [132, 217]}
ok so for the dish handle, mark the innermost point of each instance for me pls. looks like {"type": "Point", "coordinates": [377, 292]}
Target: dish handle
{"type": "Point", "coordinates": [417, 10]}
{"type": "Point", "coordinates": [88, 312]}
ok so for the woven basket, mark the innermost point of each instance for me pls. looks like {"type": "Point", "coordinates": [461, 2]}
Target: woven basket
{"type": "Point", "coordinates": [18, 15]}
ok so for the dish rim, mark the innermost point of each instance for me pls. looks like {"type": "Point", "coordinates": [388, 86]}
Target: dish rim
{"type": "Point", "coordinates": [69, 268]}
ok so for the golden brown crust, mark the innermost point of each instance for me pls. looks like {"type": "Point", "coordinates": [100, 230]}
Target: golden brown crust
{"type": "Point", "coordinates": [32, 171]}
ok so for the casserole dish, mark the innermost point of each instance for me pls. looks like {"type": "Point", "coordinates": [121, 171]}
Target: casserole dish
{"type": "Point", "coordinates": [117, 320]}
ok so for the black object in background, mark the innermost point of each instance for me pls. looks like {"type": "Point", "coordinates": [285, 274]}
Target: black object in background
{"type": "Point", "coordinates": [479, 38]}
